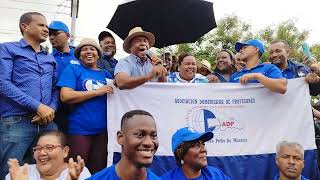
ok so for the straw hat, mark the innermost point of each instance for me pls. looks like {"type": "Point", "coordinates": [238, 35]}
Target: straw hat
{"type": "Point", "coordinates": [206, 64]}
{"type": "Point", "coordinates": [87, 42]}
{"type": "Point", "coordinates": [137, 31]}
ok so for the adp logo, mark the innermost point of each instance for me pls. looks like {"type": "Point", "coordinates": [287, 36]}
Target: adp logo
{"type": "Point", "coordinates": [203, 119]}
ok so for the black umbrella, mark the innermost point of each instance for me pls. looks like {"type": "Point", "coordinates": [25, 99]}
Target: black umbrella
{"type": "Point", "coordinates": [171, 21]}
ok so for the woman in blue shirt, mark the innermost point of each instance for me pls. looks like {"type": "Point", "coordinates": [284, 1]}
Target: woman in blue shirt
{"type": "Point", "coordinates": [191, 157]}
{"type": "Point", "coordinates": [85, 87]}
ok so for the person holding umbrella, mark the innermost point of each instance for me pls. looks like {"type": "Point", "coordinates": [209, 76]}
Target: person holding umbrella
{"type": "Point", "coordinates": [109, 48]}
{"type": "Point", "coordinates": [191, 156]}
{"type": "Point", "coordinates": [137, 69]}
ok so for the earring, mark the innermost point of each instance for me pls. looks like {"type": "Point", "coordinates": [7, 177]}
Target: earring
{"type": "Point", "coordinates": [182, 162]}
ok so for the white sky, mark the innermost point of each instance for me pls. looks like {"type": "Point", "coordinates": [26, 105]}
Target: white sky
{"type": "Point", "coordinates": [94, 15]}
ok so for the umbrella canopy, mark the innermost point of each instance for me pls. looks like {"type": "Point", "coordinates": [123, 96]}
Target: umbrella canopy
{"type": "Point", "coordinates": [171, 21]}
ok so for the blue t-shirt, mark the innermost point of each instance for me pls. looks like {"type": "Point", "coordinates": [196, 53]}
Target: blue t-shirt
{"type": "Point", "coordinates": [207, 173]}
{"type": "Point", "coordinates": [88, 117]}
{"type": "Point", "coordinates": [64, 59]}
{"type": "Point", "coordinates": [268, 70]}
{"type": "Point", "coordinates": [277, 177]}
{"type": "Point", "coordinates": [110, 173]}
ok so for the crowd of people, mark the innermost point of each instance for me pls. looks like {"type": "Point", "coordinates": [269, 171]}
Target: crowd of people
{"type": "Point", "coordinates": [41, 93]}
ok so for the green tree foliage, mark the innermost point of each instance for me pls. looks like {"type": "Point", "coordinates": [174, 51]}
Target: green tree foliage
{"type": "Point", "coordinates": [285, 31]}
{"type": "Point", "coordinates": [315, 50]}
{"type": "Point", "coordinates": [231, 29]}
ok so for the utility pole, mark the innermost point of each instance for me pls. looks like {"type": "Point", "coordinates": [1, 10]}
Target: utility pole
{"type": "Point", "coordinates": [74, 15]}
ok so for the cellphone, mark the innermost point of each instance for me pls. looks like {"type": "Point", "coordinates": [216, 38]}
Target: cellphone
{"type": "Point", "coordinates": [307, 52]}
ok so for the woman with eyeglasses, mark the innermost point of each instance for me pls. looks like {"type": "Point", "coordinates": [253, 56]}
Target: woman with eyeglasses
{"type": "Point", "coordinates": [191, 157]}
{"type": "Point", "coordinates": [50, 154]}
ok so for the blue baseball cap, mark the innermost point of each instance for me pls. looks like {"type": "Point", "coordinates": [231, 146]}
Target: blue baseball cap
{"type": "Point", "coordinates": [186, 135]}
{"type": "Point", "coordinates": [252, 42]}
{"type": "Point", "coordinates": [58, 25]}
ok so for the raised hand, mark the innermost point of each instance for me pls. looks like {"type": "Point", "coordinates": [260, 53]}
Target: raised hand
{"type": "Point", "coordinates": [75, 168]}
{"type": "Point", "coordinates": [16, 172]}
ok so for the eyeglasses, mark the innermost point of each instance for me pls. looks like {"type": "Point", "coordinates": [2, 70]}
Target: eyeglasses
{"type": "Point", "coordinates": [47, 148]}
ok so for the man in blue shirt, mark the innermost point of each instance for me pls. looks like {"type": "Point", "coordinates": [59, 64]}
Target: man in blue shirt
{"type": "Point", "coordinates": [64, 55]}
{"type": "Point", "coordinates": [28, 97]}
{"type": "Point", "coordinates": [290, 161]}
{"type": "Point", "coordinates": [139, 142]}
{"type": "Point", "coordinates": [137, 68]}
{"type": "Point", "coordinates": [279, 51]}
{"type": "Point", "coordinates": [62, 52]}
{"type": "Point", "coordinates": [108, 46]}
{"type": "Point", "coordinates": [267, 74]}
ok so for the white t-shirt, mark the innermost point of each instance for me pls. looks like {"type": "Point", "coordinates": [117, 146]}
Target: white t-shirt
{"type": "Point", "coordinates": [34, 174]}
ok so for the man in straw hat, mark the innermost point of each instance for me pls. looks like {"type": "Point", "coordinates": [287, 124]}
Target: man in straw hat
{"type": "Point", "coordinates": [136, 69]}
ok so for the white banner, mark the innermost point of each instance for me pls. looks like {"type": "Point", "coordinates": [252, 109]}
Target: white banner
{"type": "Point", "coordinates": [245, 119]}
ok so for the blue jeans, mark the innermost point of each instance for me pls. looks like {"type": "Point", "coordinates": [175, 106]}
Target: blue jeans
{"type": "Point", "coordinates": [17, 134]}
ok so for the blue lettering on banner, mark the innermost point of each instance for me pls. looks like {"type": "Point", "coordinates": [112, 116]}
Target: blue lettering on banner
{"type": "Point", "coordinates": [185, 101]}
{"type": "Point", "coordinates": [215, 101]}
{"type": "Point", "coordinates": [228, 140]}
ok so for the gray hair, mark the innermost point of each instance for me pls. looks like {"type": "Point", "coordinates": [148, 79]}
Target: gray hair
{"type": "Point", "coordinates": [294, 145]}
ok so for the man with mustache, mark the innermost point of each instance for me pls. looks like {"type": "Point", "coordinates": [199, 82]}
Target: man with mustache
{"type": "Point", "coordinates": [139, 142]}
{"type": "Point", "coordinates": [290, 160]}
{"type": "Point", "coordinates": [28, 97]}
{"type": "Point", "coordinates": [137, 69]}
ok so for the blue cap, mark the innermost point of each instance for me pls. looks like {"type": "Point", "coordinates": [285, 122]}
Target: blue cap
{"type": "Point", "coordinates": [186, 135]}
{"type": "Point", "coordinates": [252, 42]}
{"type": "Point", "coordinates": [58, 25]}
